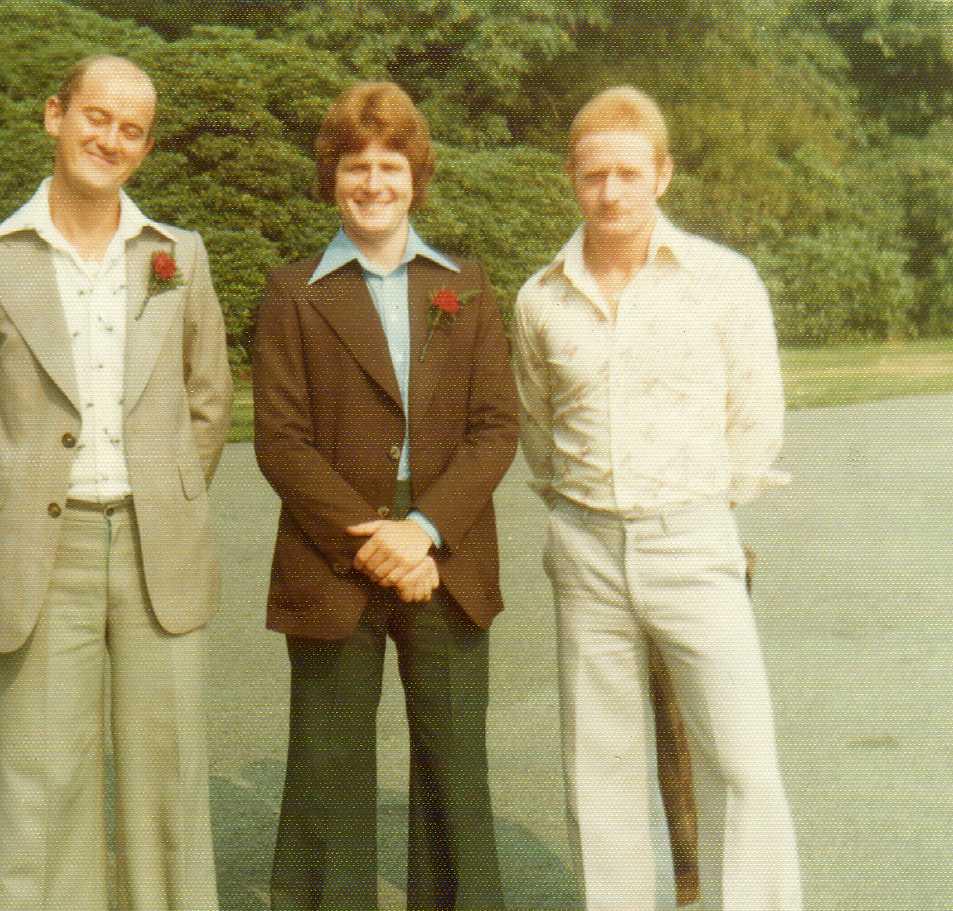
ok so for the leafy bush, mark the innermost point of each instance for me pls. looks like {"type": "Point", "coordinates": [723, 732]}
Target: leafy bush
{"type": "Point", "coordinates": [848, 220]}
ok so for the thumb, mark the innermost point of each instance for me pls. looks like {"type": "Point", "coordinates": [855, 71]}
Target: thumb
{"type": "Point", "coordinates": [365, 528]}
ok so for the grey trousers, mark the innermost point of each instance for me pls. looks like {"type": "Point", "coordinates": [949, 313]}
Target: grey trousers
{"type": "Point", "coordinates": [53, 848]}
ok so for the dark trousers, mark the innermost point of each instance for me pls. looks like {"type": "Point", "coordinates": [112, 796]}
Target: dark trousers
{"type": "Point", "coordinates": [325, 857]}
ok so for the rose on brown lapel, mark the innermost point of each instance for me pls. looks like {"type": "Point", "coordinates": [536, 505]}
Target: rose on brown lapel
{"type": "Point", "coordinates": [445, 304]}
{"type": "Point", "coordinates": [446, 301]}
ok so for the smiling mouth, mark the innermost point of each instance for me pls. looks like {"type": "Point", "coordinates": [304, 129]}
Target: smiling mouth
{"type": "Point", "coordinates": [100, 160]}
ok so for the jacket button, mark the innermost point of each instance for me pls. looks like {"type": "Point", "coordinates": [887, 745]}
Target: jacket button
{"type": "Point", "coordinates": [54, 510]}
{"type": "Point", "coordinates": [383, 511]}
{"type": "Point", "coordinates": [394, 453]}
{"type": "Point", "coordinates": [340, 569]}
{"type": "Point", "coordinates": [68, 440]}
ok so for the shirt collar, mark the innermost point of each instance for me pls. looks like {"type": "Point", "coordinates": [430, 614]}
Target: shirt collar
{"type": "Point", "coordinates": [34, 215]}
{"type": "Point", "coordinates": [666, 242]}
{"type": "Point", "coordinates": [343, 250]}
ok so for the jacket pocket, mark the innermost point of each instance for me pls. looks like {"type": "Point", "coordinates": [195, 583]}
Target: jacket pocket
{"type": "Point", "coordinates": [193, 481]}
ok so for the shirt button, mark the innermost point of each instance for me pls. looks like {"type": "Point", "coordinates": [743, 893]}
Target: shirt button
{"type": "Point", "coordinates": [54, 510]}
{"type": "Point", "coordinates": [394, 453]}
{"type": "Point", "coordinates": [383, 511]}
{"type": "Point", "coordinates": [69, 441]}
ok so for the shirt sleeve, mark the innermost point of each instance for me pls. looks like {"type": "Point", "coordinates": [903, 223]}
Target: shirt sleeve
{"type": "Point", "coordinates": [427, 526]}
{"type": "Point", "coordinates": [755, 392]}
{"type": "Point", "coordinates": [532, 386]}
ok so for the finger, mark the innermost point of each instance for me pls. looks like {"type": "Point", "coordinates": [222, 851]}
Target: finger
{"type": "Point", "coordinates": [407, 594]}
{"type": "Point", "coordinates": [367, 550]}
{"type": "Point", "coordinates": [396, 575]}
{"type": "Point", "coordinates": [383, 560]}
{"type": "Point", "coordinates": [382, 568]}
{"type": "Point", "coordinates": [364, 528]}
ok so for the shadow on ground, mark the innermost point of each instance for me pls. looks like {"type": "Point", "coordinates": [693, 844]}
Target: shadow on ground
{"type": "Point", "coordinates": [245, 809]}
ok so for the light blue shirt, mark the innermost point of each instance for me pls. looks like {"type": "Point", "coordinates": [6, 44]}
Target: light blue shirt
{"type": "Point", "coordinates": [389, 294]}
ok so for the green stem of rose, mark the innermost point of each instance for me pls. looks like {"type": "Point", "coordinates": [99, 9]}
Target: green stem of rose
{"type": "Point", "coordinates": [433, 325]}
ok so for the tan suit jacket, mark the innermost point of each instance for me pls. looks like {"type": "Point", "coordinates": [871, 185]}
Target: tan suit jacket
{"type": "Point", "coordinates": [176, 411]}
{"type": "Point", "coordinates": [329, 425]}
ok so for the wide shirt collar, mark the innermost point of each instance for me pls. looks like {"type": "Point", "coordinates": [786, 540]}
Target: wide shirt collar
{"type": "Point", "coordinates": [343, 250]}
{"type": "Point", "coordinates": [34, 215]}
{"type": "Point", "coordinates": [666, 244]}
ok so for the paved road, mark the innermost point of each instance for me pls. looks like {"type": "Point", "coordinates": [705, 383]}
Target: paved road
{"type": "Point", "coordinates": [853, 601]}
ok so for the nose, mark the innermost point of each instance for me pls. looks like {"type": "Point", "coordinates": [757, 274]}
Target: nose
{"type": "Point", "coordinates": [374, 180]}
{"type": "Point", "coordinates": [109, 137]}
{"type": "Point", "coordinates": [611, 187]}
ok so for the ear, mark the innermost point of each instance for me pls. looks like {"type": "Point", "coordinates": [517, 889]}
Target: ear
{"type": "Point", "coordinates": [53, 112]}
{"type": "Point", "coordinates": [664, 176]}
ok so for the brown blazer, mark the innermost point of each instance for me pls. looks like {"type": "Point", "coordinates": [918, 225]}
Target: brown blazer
{"type": "Point", "coordinates": [329, 427]}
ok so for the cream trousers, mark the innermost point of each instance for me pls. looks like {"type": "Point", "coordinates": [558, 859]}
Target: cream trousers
{"type": "Point", "coordinates": [678, 578]}
{"type": "Point", "coordinates": [53, 854]}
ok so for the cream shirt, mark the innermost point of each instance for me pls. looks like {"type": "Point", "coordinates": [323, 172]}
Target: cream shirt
{"type": "Point", "coordinates": [94, 300]}
{"type": "Point", "coordinates": [678, 400]}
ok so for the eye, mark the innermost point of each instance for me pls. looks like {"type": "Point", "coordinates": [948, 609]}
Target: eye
{"type": "Point", "coordinates": [96, 116]}
{"type": "Point", "coordinates": [133, 132]}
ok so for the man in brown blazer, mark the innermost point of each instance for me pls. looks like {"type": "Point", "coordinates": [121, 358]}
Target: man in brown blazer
{"type": "Point", "coordinates": [114, 401]}
{"type": "Point", "coordinates": [385, 416]}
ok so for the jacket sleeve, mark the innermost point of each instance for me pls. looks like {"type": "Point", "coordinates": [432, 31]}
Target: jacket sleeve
{"type": "Point", "coordinates": [320, 501]}
{"type": "Point", "coordinates": [457, 498]}
{"type": "Point", "coordinates": [208, 378]}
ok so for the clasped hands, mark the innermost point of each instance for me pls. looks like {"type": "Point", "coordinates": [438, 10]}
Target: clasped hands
{"type": "Point", "coordinates": [396, 555]}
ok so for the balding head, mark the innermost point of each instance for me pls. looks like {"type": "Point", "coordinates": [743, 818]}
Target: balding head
{"type": "Point", "coordinates": [110, 66]}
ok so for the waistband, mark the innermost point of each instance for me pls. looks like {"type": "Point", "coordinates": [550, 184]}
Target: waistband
{"type": "Point", "coordinates": [106, 508]}
{"type": "Point", "coordinates": [639, 515]}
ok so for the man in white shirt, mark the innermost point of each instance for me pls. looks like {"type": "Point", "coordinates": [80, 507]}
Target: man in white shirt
{"type": "Point", "coordinates": [114, 405]}
{"type": "Point", "coordinates": [652, 403]}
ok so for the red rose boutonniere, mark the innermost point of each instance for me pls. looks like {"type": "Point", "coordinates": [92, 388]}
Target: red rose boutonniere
{"type": "Point", "coordinates": [164, 275]}
{"type": "Point", "coordinates": [445, 304]}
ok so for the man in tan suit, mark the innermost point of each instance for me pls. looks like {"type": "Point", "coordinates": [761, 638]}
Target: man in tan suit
{"type": "Point", "coordinates": [114, 400]}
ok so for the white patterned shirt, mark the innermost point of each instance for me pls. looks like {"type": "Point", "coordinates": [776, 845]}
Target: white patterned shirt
{"type": "Point", "coordinates": [94, 300]}
{"type": "Point", "coordinates": [676, 401]}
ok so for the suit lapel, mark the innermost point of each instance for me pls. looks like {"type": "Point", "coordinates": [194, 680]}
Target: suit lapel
{"type": "Point", "coordinates": [344, 301]}
{"type": "Point", "coordinates": [147, 321]}
{"type": "Point", "coordinates": [30, 296]}
{"type": "Point", "coordinates": [423, 281]}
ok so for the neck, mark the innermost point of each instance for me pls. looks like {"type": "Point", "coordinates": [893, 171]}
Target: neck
{"type": "Point", "coordinates": [387, 252]}
{"type": "Point", "coordinates": [87, 222]}
{"type": "Point", "coordinates": [624, 254]}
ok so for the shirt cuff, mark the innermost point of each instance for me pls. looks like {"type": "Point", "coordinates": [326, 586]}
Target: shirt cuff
{"type": "Point", "coordinates": [427, 526]}
{"type": "Point", "coordinates": [745, 488]}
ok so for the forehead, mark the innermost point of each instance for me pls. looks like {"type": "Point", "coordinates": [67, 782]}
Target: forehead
{"type": "Point", "coordinates": [614, 147]}
{"type": "Point", "coordinates": [375, 152]}
{"type": "Point", "coordinates": [117, 87]}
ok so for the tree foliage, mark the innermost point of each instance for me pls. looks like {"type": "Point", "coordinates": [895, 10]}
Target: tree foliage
{"type": "Point", "coordinates": [815, 137]}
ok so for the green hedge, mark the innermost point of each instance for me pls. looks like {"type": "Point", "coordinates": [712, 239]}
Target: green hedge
{"type": "Point", "coordinates": [855, 242]}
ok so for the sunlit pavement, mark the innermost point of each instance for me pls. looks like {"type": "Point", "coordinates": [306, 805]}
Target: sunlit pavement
{"type": "Point", "coordinates": [852, 594]}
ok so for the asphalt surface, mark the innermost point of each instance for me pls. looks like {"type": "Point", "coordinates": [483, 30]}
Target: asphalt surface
{"type": "Point", "coordinates": [852, 596]}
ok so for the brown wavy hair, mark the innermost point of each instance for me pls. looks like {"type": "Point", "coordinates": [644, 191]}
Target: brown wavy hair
{"type": "Point", "coordinates": [373, 112]}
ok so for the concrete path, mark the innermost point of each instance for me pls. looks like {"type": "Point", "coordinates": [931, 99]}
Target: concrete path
{"type": "Point", "coordinates": [853, 600]}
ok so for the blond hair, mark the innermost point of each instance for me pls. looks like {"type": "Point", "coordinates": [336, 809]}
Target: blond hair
{"type": "Point", "coordinates": [620, 108]}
